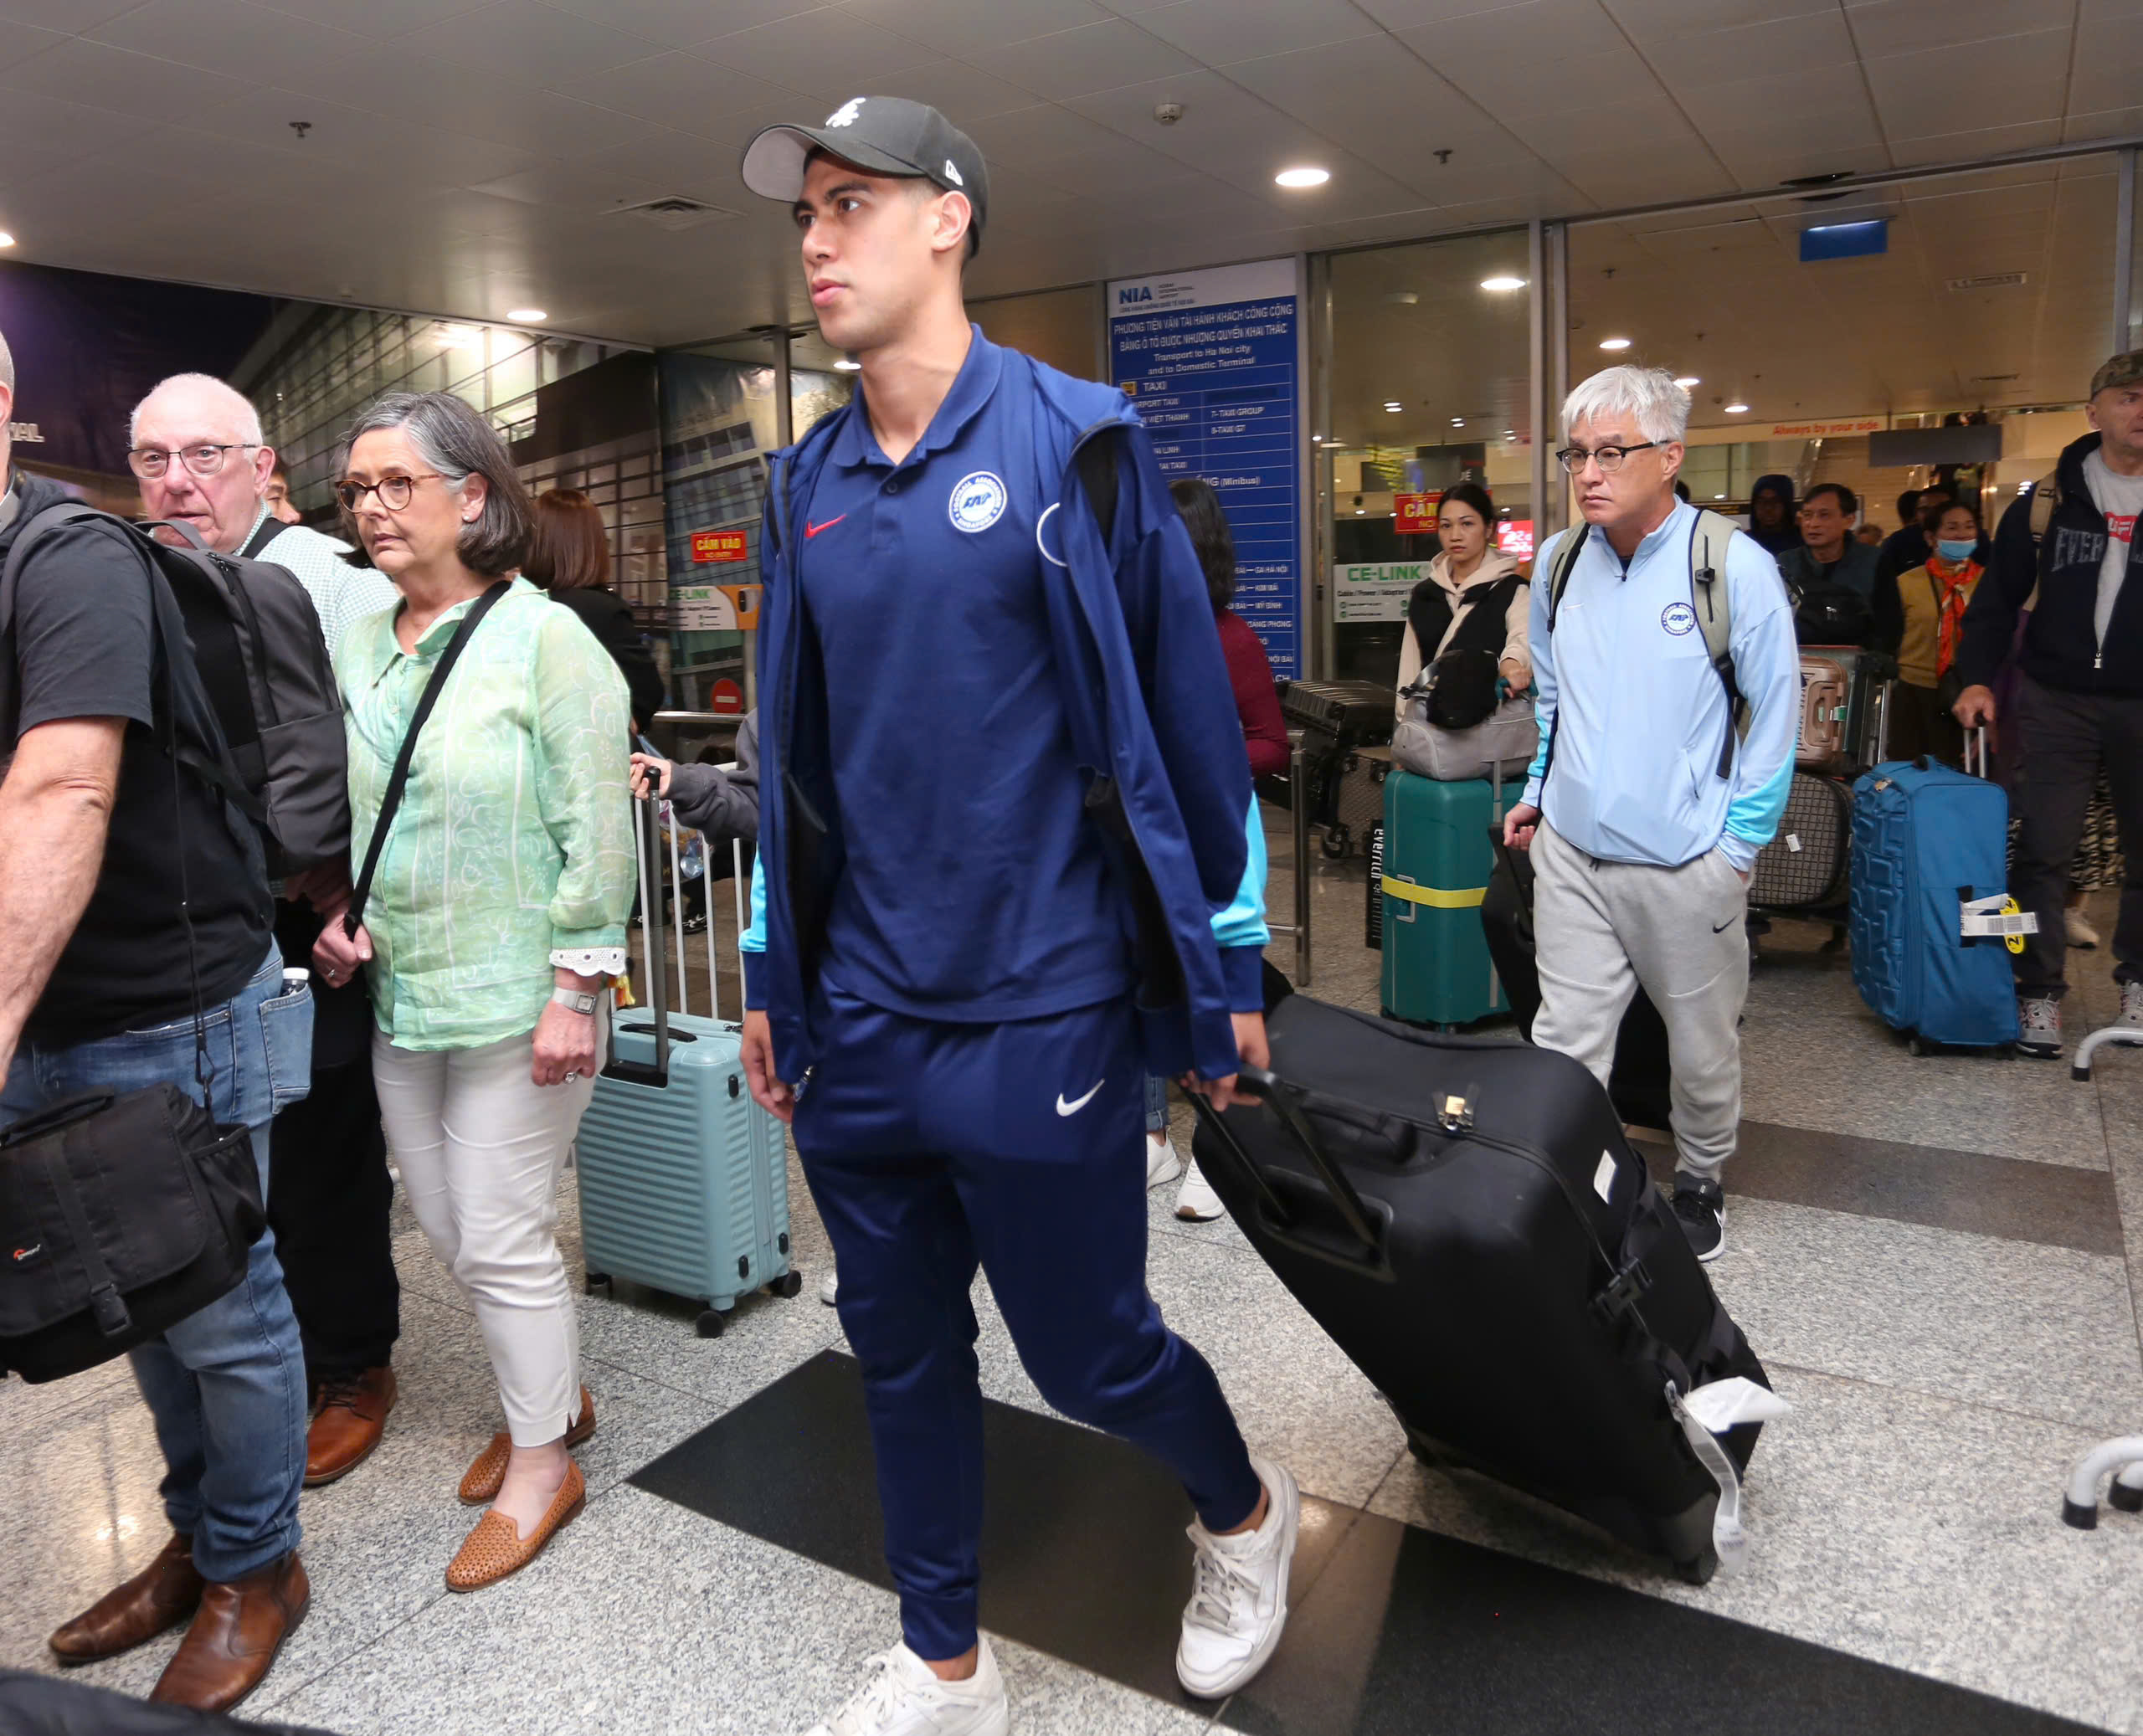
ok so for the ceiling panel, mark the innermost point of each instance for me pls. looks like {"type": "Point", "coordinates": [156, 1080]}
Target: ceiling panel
{"type": "Point", "coordinates": [964, 28]}
{"type": "Point", "coordinates": [524, 39]}
{"type": "Point", "coordinates": [461, 151]}
{"type": "Point", "coordinates": [1095, 57]}
{"type": "Point", "coordinates": [830, 54]}
{"type": "Point", "coordinates": [674, 24]}
{"type": "Point", "coordinates": [1220, 32]}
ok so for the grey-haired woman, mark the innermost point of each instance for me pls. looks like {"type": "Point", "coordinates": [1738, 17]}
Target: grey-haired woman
{"type": "Point", "coordinates": [495, 917]}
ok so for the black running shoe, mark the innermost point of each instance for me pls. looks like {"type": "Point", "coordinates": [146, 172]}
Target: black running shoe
{"type": "Point", "coordinates": [1701, 1207]}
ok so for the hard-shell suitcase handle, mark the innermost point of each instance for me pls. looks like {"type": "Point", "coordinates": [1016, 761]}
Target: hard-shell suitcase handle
{"type": "Point", "coordinates": [647, 847]}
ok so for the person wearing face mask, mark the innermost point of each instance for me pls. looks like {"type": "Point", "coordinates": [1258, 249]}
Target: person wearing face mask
{"type": "Point", "coordinates": [1772, 513]}
{"type": "Point", "coordinates": [1473, 597]}
{"type": "Point", "coordinates": [1919, 620]}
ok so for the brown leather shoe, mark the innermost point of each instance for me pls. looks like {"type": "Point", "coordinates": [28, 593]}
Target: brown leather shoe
{"type": "Point", "coordinates": [347, 1424]}
{"type": "Point", "coordinates": [496, 1548]}
{"type": "Point", "coordinates": [235, 1636]}
{"type": "Point", "coordinates": [158, 1598]}
{"type": "Point", "coordinates": [486, 1473]}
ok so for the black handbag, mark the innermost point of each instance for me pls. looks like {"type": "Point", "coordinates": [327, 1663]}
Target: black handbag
{"type": "Point", "coordinates": [123, 1214]}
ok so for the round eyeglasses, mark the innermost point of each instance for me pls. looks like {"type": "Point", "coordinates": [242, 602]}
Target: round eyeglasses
{"type": "Point", "coordinates": [394, 491]}
{"type": "Point", "coordinates": [150, 462]}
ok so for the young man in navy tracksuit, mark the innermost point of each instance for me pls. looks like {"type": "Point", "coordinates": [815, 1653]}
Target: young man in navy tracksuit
{"type": "Point", "coordinates": [1009, 864]}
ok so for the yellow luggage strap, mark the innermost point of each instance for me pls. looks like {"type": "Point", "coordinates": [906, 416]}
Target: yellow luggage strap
{"type": "Point", "coordinates": [1438, 897]}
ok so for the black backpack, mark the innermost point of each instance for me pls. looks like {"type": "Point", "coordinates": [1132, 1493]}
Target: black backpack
{"type": "Point", "coordinates": [263, 662]}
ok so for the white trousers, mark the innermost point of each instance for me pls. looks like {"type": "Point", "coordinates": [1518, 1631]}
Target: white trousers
{"type": "Point", "coordinates": [480, 1147]}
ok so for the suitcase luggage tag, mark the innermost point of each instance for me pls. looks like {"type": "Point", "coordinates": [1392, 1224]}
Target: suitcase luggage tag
{"type": "Point", "coordinates": [1705, 1414]}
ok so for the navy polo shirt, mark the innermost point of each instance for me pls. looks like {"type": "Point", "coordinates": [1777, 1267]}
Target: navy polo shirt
{"type": "Point", "coordinates": [975, 890]}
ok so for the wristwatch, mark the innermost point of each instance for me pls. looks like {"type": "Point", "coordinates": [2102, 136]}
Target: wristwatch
{"type": "Point", "coordinates": [578, 999]}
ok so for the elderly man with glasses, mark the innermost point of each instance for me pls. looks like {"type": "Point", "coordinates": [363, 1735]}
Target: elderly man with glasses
{"type": "Point", "coordinates": [1660, 774]}
{"type": "Point", "coordinates": [198, 451]}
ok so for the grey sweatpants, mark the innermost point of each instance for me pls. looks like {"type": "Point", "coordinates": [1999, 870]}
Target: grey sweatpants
{"type": "Point", "coordinates": [1602, 929]}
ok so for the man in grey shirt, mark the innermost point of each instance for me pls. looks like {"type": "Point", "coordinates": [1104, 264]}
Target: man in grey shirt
{"type": "Point", "coordinates": [201, 461]}
{"type": "Point", "coordinates": [2067, 552]}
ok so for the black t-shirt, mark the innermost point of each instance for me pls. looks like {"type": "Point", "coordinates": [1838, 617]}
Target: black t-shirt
{"type": "Point", "coordinates": [84, 646]}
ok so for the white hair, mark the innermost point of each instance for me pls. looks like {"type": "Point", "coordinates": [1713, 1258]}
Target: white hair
{"type": "Point", "coordinates": [6, 366]}
{"type": "Point", "coordinates": [1661, 406]}
{"type": "Point", "coordinates": [245, 420]}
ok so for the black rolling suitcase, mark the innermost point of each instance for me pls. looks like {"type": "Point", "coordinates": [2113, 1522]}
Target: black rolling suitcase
{"type": "Point", "coordinates": [1465, 1219]}
{"type": "Point", "coordinates": [1641, 1081]}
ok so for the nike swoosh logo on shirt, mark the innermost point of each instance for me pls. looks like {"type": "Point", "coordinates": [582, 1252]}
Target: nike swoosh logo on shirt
{"type": "Point", "coordinates": [1721, 927]}
{"type": "Point", "coordinates": [812, 530]}
{"type": "Point", "coordinates": [1065, 1108]}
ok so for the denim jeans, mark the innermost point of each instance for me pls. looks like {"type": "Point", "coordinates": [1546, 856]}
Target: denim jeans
{"type": "Point", "coordinates": [226, 1386]}
{"type": "Point", "coordinates": [1157, 1104]}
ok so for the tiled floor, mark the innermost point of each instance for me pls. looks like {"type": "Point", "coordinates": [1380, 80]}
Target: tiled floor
{"type": "Point", "coordinates": [1939, 1260]}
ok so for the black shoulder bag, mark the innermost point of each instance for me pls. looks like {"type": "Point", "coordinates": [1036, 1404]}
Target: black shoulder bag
{"type": "Point", "coordinates": [123, 1214]}
{"type": "Point", "coordinates": [397, 780]}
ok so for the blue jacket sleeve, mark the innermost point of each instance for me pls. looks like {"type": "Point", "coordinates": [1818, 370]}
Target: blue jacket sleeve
{"type": "Point", "coordinates": [1543, 668]}
{"type": "Point", "coordinates": [1184, 675]}
{"type": "Point", "coordinates": [1239, 930]}
{"type": "Point", "coordinates": [753, 941]}
{"type": "Point", "coordinates": [1767, 668]}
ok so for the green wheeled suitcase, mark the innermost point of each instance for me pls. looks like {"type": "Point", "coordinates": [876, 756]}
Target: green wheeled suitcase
{"type": "Point", "coordinates": [1436, 867]}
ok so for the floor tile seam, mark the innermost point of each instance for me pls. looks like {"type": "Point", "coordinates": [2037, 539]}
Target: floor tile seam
{"type": "Point", "coordinates": [2134, 1260]}
{"type": "Point", "coordinates": [271, 1702]}
{"type": "Point", "coordinates": [718, 1408]}
{"type": "Point", "coordinates": [2093, 1167]}
{"type": "Point", "coordinates": [1940, 1398]}
{"type": "Point", "coordinates": [66, 1408]}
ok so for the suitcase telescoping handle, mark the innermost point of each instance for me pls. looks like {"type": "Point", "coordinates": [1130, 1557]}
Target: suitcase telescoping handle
{"type": "Point", "coordinates": [647, 847]}
{"type": "Point", "coordinates": [1284, 1100]}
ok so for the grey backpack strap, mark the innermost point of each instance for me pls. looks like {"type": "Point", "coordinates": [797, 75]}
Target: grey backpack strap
{"type": "Point", "coordinates": [1709, 539]}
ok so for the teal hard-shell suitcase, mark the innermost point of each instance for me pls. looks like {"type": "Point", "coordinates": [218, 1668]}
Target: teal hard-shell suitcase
{"type": "Point", "coordinates": [1436, 867]}
{"type": "Point", "coordinates": [684, 1180]}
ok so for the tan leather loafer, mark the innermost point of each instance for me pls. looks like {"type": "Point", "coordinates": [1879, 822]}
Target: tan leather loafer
{"type": "Point", "coordinates": [347, 1426]}
{"type": "Point", "coordinates": [496, 1548]}
{"type": "Point", "coordinates": [156, 1599]}
{"type": "Point", "coordinates": [235, 1636]}
{"type": "Point", "coordinates": [486, 1473]}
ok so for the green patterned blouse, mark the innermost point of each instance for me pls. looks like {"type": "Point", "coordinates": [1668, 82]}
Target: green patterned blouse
{"type": "Point", "coordinates": [515, 834]}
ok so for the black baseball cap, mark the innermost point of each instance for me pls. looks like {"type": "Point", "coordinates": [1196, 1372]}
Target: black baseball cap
{"type": "Point", "coordinates": [884, 135]}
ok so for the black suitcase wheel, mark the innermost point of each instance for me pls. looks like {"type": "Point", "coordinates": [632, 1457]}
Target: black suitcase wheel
{"type": "Point", "coordinates": [1918, 1046]}
{"type": "Point", "coordinates": [1337, 837]}
{"type": "Point", "coordinates": [1699, 1571]}
{"type": "Point", "coordinates": [788, 1284]}
{"type": "Point", "coordinates": [596, 1281]}
{"type": "Point", "coordinates": [710, 1323]}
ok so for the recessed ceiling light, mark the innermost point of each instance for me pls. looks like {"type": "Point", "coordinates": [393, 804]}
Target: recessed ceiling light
{"type": "Point", "coordinates": [1394, 407]}
{"type": "Point", "coordinates": [1458, 421]}
{"type": "Point", "coordinates": [1614, 343]}
{"type": "Point", "coordinates": [6, 239]}
{"type": "Point", "coordinates": [1305, 176]}
{"type": "Point", "coordinates": [1737, 409]}
{"type": "Point", "coordinates": [1499, 284]}
{"type": "Point", "coordinates": [1510, 434]}
{"type": "Point", "coordinates": [1719, 497]}
{"type": "Point", "coordinates": [527, 316]}
{"type": "Point", "coordinates": [1686, 381]}
{"type": "Point", "coordinates": [848, 364]}
{"type": "Point", "coordinates": [1360, 510]}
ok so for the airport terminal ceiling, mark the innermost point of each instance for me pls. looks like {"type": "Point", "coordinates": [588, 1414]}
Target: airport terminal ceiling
{"type": "Point", "coordinates": [471, 157]}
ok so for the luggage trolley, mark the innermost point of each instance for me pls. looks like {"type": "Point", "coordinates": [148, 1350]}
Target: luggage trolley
{"type": "Point", "coordinates": [684, 1180]}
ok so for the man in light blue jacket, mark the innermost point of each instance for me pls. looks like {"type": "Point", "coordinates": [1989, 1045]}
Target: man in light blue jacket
{"type": "Point", "coordinates": [1656, 796]}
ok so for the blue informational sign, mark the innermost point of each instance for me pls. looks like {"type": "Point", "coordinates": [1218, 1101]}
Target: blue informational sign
{"type": "Point", "coordinates": [1213, 360]}
{"type": "Point", "coordinates": [1845, 240]}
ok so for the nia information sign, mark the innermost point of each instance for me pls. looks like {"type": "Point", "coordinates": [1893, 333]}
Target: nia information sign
{"type": "Point", "coordinates": [1213, 361]}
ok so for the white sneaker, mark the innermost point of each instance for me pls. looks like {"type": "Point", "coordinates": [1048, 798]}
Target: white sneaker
{"type": "Point", "coordinates": [1162, 1165]}
{"type": "Point", "coordinates": [830, 1286]}
{"type": "Point", "coordinates": [2080, 931]}
{"type": "Point", "coordinates": [1238, 1598]}
{"type": "Point", "coordinates": [2131, 1005]}
{"type": "Point", "coordinates": [903, 1698]}
{"type": "Point", "coordinates": [1197, 1204]}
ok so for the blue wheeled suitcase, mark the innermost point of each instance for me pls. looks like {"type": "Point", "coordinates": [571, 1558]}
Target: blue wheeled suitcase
{"type": "Point", "coordinates": [1930, 912]}
{"type": "Point", "coordinates": [684, 1180]}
